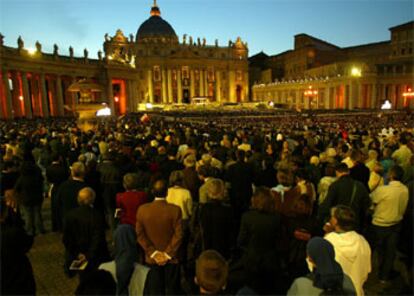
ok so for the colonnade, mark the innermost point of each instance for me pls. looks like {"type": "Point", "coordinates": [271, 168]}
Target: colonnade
{"type": "Point", "coordinates": [340, 95]}
{"type": "Point", "coordinates": [30, 94]}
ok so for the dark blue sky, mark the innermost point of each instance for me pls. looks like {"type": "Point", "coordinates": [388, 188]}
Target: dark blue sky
{"type": "Point", "coordinates": [267, 25]}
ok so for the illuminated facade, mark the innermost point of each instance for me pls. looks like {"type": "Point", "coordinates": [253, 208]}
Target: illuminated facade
{"type": "Point", "coordinates": [152, 67]}
{"type": "Point", "coordinates": [320, 75]}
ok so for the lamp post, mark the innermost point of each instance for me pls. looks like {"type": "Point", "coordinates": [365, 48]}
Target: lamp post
{"type": "Point", "coordinates": [310, 94]}
{"type": "Point", "coordinates": [409, 94]}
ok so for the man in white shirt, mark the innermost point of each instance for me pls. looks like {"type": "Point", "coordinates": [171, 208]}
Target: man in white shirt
{"type": "Point", "coordinates": [390, 203]}
{"type": "Point", "coordinates": [352, 251]}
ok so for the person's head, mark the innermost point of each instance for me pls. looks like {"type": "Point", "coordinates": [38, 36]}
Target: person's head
{"type": "Point", "coordinates": [160, 189]}
{"type": "Point", "coordinates": [206, 159]}
{"type": "Point", "coordinates": [387, 152]}
{"type": "Point", "coordinates": [78, 170]}
{"type": "Point", "coordinates": [211, 272]}
{"type": "Point", "coordinates": [342, 218]}
{"type": "Point", "coordinates": [328, 274]}
{"type": "Point", "coordinates": [396, 173]}
{"type": "Point", "coordinates": [284, 177]}
{"type": "Point", "coordinates": [355, 155]}
{"type": "Point", "coordinates": [130, 181]}
{"type": "Point", "coordinates": [216, 189]}
{"type": "Point", "coordinates": [262, 200]}
{"type": "Point", "coordinates": [176, 178]}
{"type": "Point", "coordinates": [190, 161]}
{"type": "Point", "coordinates": [97, 282]}
{"type": "Point", "coordinates": [330, 170]}
{"type": "Point", "coordinates": [314, 160]}
{"type": "Point", "coordinates": [341, 169]}
{"type": "Point", "coordinates": [378, 168]}
{"type": "Point", "coordinates": [240, 155]}
{"type": "Point", "coordinates": [86, 196]}
{"type": "Point", "coordinates": [204, 172]}
{"type": "Point", "coordinates": [301, 175]}
{"type": "Point", "coordinates": [372, 154]}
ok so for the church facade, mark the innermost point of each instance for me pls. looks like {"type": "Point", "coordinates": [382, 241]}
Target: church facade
{"type": "Point", "coordinates": [155, 66]}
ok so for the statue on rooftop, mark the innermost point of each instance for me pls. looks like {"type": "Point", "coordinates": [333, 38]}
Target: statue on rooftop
{"type": "Point", "coordinates": [100, 55]}
{"type": "Point", "coordinates": [216, 42]}
{"type": "Point", "coordinates": [191, 40]}
{"type": "Point", "coordinates": [131, 38]}
{"type": "Point", "coordinates": [204, 41]}
{"type": "Point", "coordinates": [198, 41]}
{"type": "Point", "coordinates": [184, 39]}
{"type": "Point", "coordinates": [71, 52]}
{"type": "Point", "coordinates": [20, 43]}
{"type": "Point", "coordinates": [85, 53]}
{"type": "Point", "coordinates": [1, 39]}
{"type": "Point", "coordinates": [55, 49]}
{"type": "Point", "coordinates": [38, 46]}
{"type": "Point", "coordinates": [107, 37]}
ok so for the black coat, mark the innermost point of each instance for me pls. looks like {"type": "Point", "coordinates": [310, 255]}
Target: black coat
{"type": "Point", "coordinates": [340, 193]}
{"type": "Point", "coordinates": [84, 232]}
{"type": "Point", "coordinates": [17, 273]}
{"type": "Point", "coordinates": [216, 220]}
{"type": "Point", "coordinates": [67, 196]}
{"type": "Point", "coordinates": [29, 186]}
{"type": "Point", "coordinates": [259, 238]}
{"type": "Point", "coordinates": [56, 174]}
{"type": "Point", "coordinates": [361, 173]}
{"type": "Point", "coordinates": [240, 177]}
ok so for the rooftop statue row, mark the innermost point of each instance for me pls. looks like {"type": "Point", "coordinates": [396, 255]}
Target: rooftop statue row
{"type": "Point", "coordinates": [120, 37]}
{"type": "Point", "coordinates": [38, 50]}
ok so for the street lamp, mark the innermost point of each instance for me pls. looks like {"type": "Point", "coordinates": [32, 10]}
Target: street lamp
{"type": "Point", "coordinates": [356, 72]}
{"type": "Point", "coordinates": [409, 94]}
{"type": "Point", "coordinates": [310, 93]}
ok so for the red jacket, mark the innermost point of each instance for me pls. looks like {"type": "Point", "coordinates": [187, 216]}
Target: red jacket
{"type": "Point", "coordinates": [129, 203]}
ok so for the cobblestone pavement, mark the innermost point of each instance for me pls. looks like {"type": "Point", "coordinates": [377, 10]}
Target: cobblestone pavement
{"type": "Point", "coordinates": [47, 256]}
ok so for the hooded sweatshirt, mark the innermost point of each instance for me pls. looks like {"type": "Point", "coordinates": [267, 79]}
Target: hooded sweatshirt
{"type": "Point", "coordinates": [353, 253]}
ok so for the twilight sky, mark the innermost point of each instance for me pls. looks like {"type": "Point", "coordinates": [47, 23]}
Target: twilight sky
{"type": "Point", "coordinates": [267, 25]}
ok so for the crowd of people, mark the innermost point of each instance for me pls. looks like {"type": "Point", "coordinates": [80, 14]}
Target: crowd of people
{"type": "Point", "coordinates": [293, 205]}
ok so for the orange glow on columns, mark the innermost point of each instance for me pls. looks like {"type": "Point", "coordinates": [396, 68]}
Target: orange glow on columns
{"type": "Point", "coordinates": [122, 95]}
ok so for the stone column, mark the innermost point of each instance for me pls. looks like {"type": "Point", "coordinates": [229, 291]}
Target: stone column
{"type": "Point", "coordinates": [246, 86]}
{"type": "Point", "coordinates": [45, 107]}
{"type": "Point", "coordinates": [26, 96]}
{"type": "Point", "coordinates": [218, 86]}
{"type": "Point", "coordinates": [327, 93]}
{"type": "Point", "coordinates": [169, 88]}
{"type": "Point", "coordinates": [374, 99]}
{"type": "Point", "coordinates": [150, 87]}
{"type": "Point", "coordinates": [164, 87]}
{"type": "Point", "coordinates": [382, 92]}
{"type": "Point", "coordinates": [134, 96]}
{"type": "Point", "coordinates": [391, 96]}
{"type": "Point", "coordinates": [179, 87]}
{"type": "Point", "coordinates": [350, 95]}
{"type": "Point", "coordinates": [110, 94]}
{"type": "Point", "coordinates": [232, 87]}
{"type": "Point", "coordinates": [52, 96]}
{"type": "Point", "coordinates": [201, 85]}
{"type": "Point", "coordinates": [16, 103]}
{"type": "Point", "coordinates": [191, 84]}
{"type": "Point", "coordinates": [205, 83]}
{"type": "Point", "coordinates": [59, 96]}
{"type": "Point", "coordinates": [8, 105]}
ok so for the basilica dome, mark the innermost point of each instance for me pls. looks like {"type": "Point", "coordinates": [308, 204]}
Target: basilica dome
{"type": "Point", "coordinates": [156, 28]}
